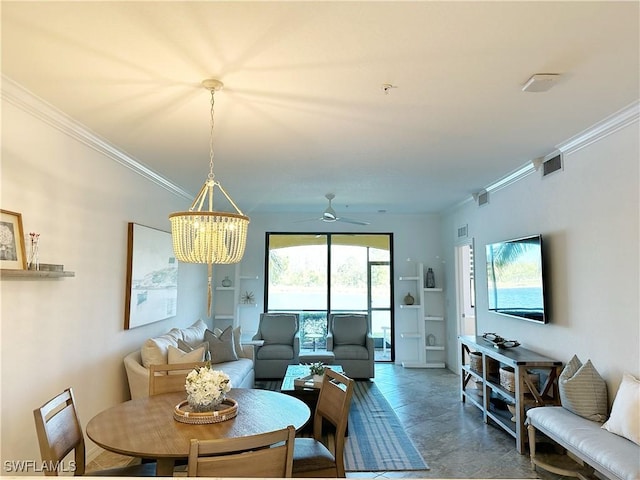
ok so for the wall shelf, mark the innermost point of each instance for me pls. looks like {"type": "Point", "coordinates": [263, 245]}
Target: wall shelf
{"type": "Point", "coordinates": [6, 273]}
{"type": "Point", "coordinates": [430, 324]}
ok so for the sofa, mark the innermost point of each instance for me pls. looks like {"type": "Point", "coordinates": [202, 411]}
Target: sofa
{"type": "Point", "coordinates": [171, 348]}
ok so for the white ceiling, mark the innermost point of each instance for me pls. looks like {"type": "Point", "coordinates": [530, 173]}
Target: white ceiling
{"type": "Point", "coordinates": [303, 112]}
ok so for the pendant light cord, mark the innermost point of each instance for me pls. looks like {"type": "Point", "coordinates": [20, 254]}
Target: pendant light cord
{"type": "Point", "coordinates": [211, 176]}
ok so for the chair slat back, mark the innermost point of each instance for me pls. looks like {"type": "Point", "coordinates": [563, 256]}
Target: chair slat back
{"type": "Point", "coordinates": [267, 455]}
{"type": "Point", "coordinates": [168, 378]}
{"type": "Point", "coordinates": [59, 432]}
{"type": "Point", "coordinates": [334, 402]}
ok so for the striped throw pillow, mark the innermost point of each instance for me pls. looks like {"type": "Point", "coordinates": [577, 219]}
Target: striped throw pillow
{"type": "Point", "coordinates": [583, 391]}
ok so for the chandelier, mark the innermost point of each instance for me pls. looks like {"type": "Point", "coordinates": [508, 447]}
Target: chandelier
{"type": "Point", "coordinates": [203, 235]}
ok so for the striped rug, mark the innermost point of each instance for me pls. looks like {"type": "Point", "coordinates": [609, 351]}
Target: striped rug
{"type": "Point", "coordinates": [376, 440]}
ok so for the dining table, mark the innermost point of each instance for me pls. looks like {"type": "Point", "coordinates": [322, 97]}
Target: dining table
{"type": "Point", "coordinates": [146, 428]}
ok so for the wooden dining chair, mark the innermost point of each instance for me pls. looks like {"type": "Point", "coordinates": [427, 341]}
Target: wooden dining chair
{"type": "Point", "coordinates": [168, 378]}
{"type": "Point", "coordinates": [312, 457]}
{"type": "Point", "coordinates": [266, 455]}
{"type": "Point", "coordinates": [59, 432]}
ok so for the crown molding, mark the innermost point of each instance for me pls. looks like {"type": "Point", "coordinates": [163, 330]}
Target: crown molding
{"type": "Point", "coordinates": [17, 95]}
{"type": "Point", "coordinates": [617, 121]}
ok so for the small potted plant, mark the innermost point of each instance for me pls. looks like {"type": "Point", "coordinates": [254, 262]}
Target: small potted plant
{"type": "Point", "coordinates": [317, 370]}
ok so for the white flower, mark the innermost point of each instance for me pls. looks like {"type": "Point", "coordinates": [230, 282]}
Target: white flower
{"type": "Point", "coordinates": [206, 386]}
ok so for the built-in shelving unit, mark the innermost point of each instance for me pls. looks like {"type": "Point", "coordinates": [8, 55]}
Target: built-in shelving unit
{"type": "Point", "coordinates": [430, 324]}
{"type": "Point", "coordinates": [481, 386]}
{"type": "Point", "coordinates": [230, 304]}
{"type": "Point", "coordinates": [7, 273]}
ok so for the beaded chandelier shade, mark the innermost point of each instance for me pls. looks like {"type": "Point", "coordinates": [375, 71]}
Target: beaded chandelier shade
{"type": "Point", "coordinates": [203, 235]}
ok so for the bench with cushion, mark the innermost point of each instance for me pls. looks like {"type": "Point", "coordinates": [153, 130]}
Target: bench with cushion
{"type": "Point", "coordinates": [611, 448]}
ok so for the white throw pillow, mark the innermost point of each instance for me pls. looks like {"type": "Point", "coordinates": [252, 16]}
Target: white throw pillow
{"type": "Point", "coordinates": [625, 413]}
{"type": "Point", "coordinates": [195, 333]}
{"type": "Point", "coordinates": [178, 356]}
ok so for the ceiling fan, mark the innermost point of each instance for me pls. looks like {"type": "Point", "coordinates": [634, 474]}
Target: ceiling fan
{"type": "Point", "coordinates": [330, 215]}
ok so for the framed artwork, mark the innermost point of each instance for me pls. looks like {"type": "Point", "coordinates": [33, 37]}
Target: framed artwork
{"type": "Point", "coordinates": [152, 277]}
{"type": "Point", "coordinates": [12, 254]}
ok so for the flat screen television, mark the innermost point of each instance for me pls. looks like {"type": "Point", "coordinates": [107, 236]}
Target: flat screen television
{"type": "Point", "coordinates": [515, 278]}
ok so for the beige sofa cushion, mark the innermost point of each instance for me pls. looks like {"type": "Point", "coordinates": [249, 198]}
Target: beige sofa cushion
{"type": "Point", "coordinates": [178, 356]}
{"type": "Point", "coordinates": [155, 350]}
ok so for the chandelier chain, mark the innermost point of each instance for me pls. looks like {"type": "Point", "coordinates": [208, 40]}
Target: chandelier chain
{"type": "Point", "coordinates": [211, 176]}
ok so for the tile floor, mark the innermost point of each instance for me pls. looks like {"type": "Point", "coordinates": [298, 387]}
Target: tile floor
{"type": "Point", "coordinates": [450, 435]}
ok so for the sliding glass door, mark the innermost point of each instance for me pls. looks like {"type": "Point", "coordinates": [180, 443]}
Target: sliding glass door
{"type": "Point", "coordinates": [317, 274]}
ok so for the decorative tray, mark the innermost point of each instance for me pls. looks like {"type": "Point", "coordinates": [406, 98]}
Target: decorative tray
{"type": "Point", "coordinates": [306, 382]}
{"type": "Point", "coordinates": [227, 410]}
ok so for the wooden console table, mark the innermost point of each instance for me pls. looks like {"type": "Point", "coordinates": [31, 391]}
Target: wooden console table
{"type": "Point", "coordinates": [489, 393]}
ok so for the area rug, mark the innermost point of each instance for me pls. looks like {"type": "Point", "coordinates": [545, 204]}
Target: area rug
{"type": "Point", "coordinates": [376, 440]}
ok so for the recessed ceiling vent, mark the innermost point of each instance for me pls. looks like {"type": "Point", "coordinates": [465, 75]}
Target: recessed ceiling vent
{"type": "Point", "coordinates": [481, 197]}
{"type": "Point", "coordinates": [550, 164]}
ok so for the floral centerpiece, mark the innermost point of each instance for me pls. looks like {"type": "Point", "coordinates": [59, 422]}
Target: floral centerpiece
{"type": "Point", "coordinates": [206, 388]}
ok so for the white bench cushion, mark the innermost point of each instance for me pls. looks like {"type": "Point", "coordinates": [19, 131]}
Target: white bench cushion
{"type": "Point", "coordinates": [608, 453]}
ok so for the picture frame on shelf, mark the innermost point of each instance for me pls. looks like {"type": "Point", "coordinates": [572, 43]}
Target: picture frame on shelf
{"type": "Point", "coordinates": [12, 250]}
{"type": "Point", "coordinates": [152, 277]}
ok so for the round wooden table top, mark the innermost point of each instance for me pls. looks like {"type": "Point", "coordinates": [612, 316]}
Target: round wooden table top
{"type": "Point", "coordinates": [145, 427]}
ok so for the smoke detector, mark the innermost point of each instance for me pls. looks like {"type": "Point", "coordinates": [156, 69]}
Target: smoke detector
{"type": "Point", "coordinates": [541, 82]}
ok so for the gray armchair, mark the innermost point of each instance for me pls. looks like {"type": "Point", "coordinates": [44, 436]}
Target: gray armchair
{"type": "Point", "coordinates": [351, 342]}
{"type": "Point", "coordinates": [281, 347]}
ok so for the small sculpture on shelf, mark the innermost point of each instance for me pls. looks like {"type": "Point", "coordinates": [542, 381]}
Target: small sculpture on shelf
{"type": "Point", "coordinates": [226, 282]}
{"type": "Point", "coordinates": [408, 299]}
{"type": "Point", "coordinates": [247, 298]}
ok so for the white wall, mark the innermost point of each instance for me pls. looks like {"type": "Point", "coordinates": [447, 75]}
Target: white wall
{"type": "Point", "coordinates": [588, 215]}
{"type": "Point", "coordinates": [66, 332]}
{"type": "Point", "coordinates": [415, 237]}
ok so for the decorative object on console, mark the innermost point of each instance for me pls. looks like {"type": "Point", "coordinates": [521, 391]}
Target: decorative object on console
{"type": "Point", "coordinates": [12, 255]}
{"type": "Point", "coordinates": [499, 342]}
{"type": "Point", "coordinates": [430, 281]}
{"type": "Point", "coordinates": [226, 282]}
{"type": "Point", "coordinates": [408, 299]}
{"type": "Point", "coordinates": [209, 236]}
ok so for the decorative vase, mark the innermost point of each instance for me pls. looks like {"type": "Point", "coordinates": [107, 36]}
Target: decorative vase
{"type": "Point", "coordinates": [226, 282]}
{"type": "Point", "coordinates": [430, 281]}
{"type": "Point", "coordinates": [408, 299]}
{"type": "Point", "coordinates": [204, 407]}
{"type": "Point", "coordinates": [317, 379]}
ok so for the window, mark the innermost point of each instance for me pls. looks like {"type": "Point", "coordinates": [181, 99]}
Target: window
{"type": "Point", "coordinates": [317, 274]}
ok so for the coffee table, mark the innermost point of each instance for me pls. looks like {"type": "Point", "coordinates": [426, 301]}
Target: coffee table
{"type": "Point", "coordinates": [308, 395]}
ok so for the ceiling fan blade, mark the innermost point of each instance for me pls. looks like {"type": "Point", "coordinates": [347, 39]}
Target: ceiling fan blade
{"type": "Point", "coordinates": [314, 219]}
{"type": "Point", "coordinates": [351, 220]}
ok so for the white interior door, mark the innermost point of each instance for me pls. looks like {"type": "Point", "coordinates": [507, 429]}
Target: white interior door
{"type": "Point", "coordinates": [465, 289]}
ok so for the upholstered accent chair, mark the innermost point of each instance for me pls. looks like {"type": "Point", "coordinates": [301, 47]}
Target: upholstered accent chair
{"type": "Point", "coordinates": [281, 347]}
{"type": "Point", "coordinates": [351, 342]}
